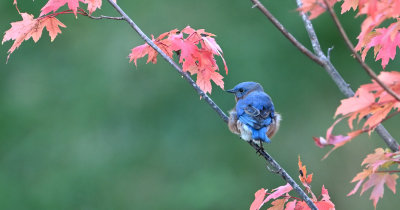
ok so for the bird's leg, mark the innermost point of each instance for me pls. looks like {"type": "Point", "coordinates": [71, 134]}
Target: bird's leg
{"type": "Point", "coordinates": [260, 148]}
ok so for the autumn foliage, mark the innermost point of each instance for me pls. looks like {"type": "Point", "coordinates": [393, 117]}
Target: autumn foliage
{"type": "Point", "coordinates": [30, 27]}
{"type": "Point", "coordinates": [196, 51]}
{"type": "Point", "coordinates": [282, 200]}
{"type": "Point", "coordinates": [377, 170]}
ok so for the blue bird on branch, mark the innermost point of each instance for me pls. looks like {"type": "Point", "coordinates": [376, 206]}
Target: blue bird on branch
{"type": "Point", "coordinates": [254, 117]}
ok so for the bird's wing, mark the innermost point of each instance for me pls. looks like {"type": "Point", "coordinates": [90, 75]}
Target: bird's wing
{"type": "Point", "coordinates": [256, 110]}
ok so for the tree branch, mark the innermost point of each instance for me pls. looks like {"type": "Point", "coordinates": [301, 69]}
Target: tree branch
{"type": "Point", "coordinates": [214, 106]}
{"type": "Point", "coordinates": [288, 35]}
{"type": "Point", "coordinates": [368, 69]}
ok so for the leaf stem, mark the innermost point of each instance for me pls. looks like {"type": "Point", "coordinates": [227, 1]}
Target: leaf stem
{"type": "Point", "coordinates": [213, 105]}
{"type": "Point", "coordinates": [388, 171]}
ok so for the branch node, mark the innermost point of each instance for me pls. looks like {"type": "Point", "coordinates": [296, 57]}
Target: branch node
{"type": "Point", "coordinates": [254, 6]}
{"type": "Point", "coordinates": [328, 53]}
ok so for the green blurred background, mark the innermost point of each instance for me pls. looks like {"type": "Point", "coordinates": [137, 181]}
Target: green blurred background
{"type": "Point", "coordinates": [81, 128]}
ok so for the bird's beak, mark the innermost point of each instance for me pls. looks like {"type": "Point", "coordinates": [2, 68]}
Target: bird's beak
{"type": "Point", "coordinates": [231, 91]}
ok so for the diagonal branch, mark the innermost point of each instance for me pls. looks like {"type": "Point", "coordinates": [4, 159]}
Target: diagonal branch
{"type": "Point", "coordinates": [368, 69]}
{"type": "Point", "coordinates": [214, 106]}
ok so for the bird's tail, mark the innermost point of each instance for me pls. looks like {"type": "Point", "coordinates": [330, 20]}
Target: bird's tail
{"type": "Point", "coordinates": [260, 134]}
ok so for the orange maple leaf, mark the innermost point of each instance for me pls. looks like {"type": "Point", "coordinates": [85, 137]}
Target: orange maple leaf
{"type": "Point", "coordinates": [278, 204]}
{"type": "Point", "coordinates": [30, 27]}
{"type": "Point", "coordinates": [304, 178]}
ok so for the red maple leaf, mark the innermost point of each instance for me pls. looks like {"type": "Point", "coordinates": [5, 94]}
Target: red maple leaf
{"type": "Point", "coordinates": [54, 5]}
{"type": "Point", "coordinates": [196, 54]}
{"type": "Point", "coordinates": [30, 27]}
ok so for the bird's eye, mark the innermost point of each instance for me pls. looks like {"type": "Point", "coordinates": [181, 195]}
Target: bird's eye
{"type": "Point", "coordinates": [241, 90]}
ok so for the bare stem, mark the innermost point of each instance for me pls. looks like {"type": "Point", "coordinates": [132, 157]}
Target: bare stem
{"type": "Point", "coordinates": [288, 35]}
{"type": "Point", "coordinates": [84, 13]}
{"type": "Point", "coordinates": [367, 69]}
{"type": "Point", "coordinates": [213, 105]}
{"type": "Point", "coordinates": [388, 171]}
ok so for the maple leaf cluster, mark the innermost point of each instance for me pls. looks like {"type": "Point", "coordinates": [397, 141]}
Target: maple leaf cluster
{"type": "Point", "coordinates": [369, 100]}
{"type": "Point", "coordinates": [376, 170]}
{"type": "Point", "coordinates": [282, 200]}
{"type": "Point", "coordinates": [196, 52]}
{"type": "Point", "coordinates": [30, 27]}
{"type": "Point", "coordinates": [384, 40]}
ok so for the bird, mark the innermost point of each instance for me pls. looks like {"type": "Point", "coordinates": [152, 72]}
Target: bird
{"type": "Point", "coordinates": [253, 118]}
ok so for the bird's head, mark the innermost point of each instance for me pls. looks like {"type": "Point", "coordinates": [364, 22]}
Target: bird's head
{"type": "Point", "coordinates": [244, 88]}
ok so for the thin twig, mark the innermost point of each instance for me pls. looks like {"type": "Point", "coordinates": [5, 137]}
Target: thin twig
{"type": "Point", "coordinates": [282, 29]}
{"type": "Point", "coordinates": [84, 13]}
{"type": "Point", "coordinates": [338, 79]}
{"type": "Point", "coordinates": [367, 69]}
{"type": "Point", "coordinates": [214, 106]}
{"type": "Point", "coordinates": [105, 17]}
{"type": "Point", "coordinates": [388, 171]}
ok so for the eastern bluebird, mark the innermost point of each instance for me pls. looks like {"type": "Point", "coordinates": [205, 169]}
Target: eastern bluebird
{"type": "Point", "coordinates": [254, 117]}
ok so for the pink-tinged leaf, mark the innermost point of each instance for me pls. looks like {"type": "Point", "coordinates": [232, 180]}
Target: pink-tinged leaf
{"type": "Point", "coordinates": [278, 192]}
{"type": "Point", "coordinates": [377, 181]}
{"type": "Point", "coordinates": [331, 139]}
{"type": "Point", "coordinates": [52, 25]}
{"type": "Point", "coordinates": [324, 205]}
{"type": "Point", "coordinates": [385, 43]}
{"type": "Point", "coordinates": [349, 4]}
{"type": "Point", "coordinates": [258, 199]}
{"type": "Point", "coordinates": [378, 115]}
{"type": "Point", "coordinates": [195, 59]}
{"type": "Point", "coordinates": [291, 205]}
{"type": "Point", "coordinates": [139, 52]}
{"type": "Point", "coordinates": [362, 99]}
{"type": "Point", "coordinates": [355, 189]}
{"type": "Point", "coordinates": [211, 44]}
{"type": "Point", "coordinates": [31, 28]}
{"type": "Point", "coordinates": [93, 5]}
{"type": "Point", "coordinates": [54, 5]}
{"type": "Point", "coordinates": [301, 205]}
